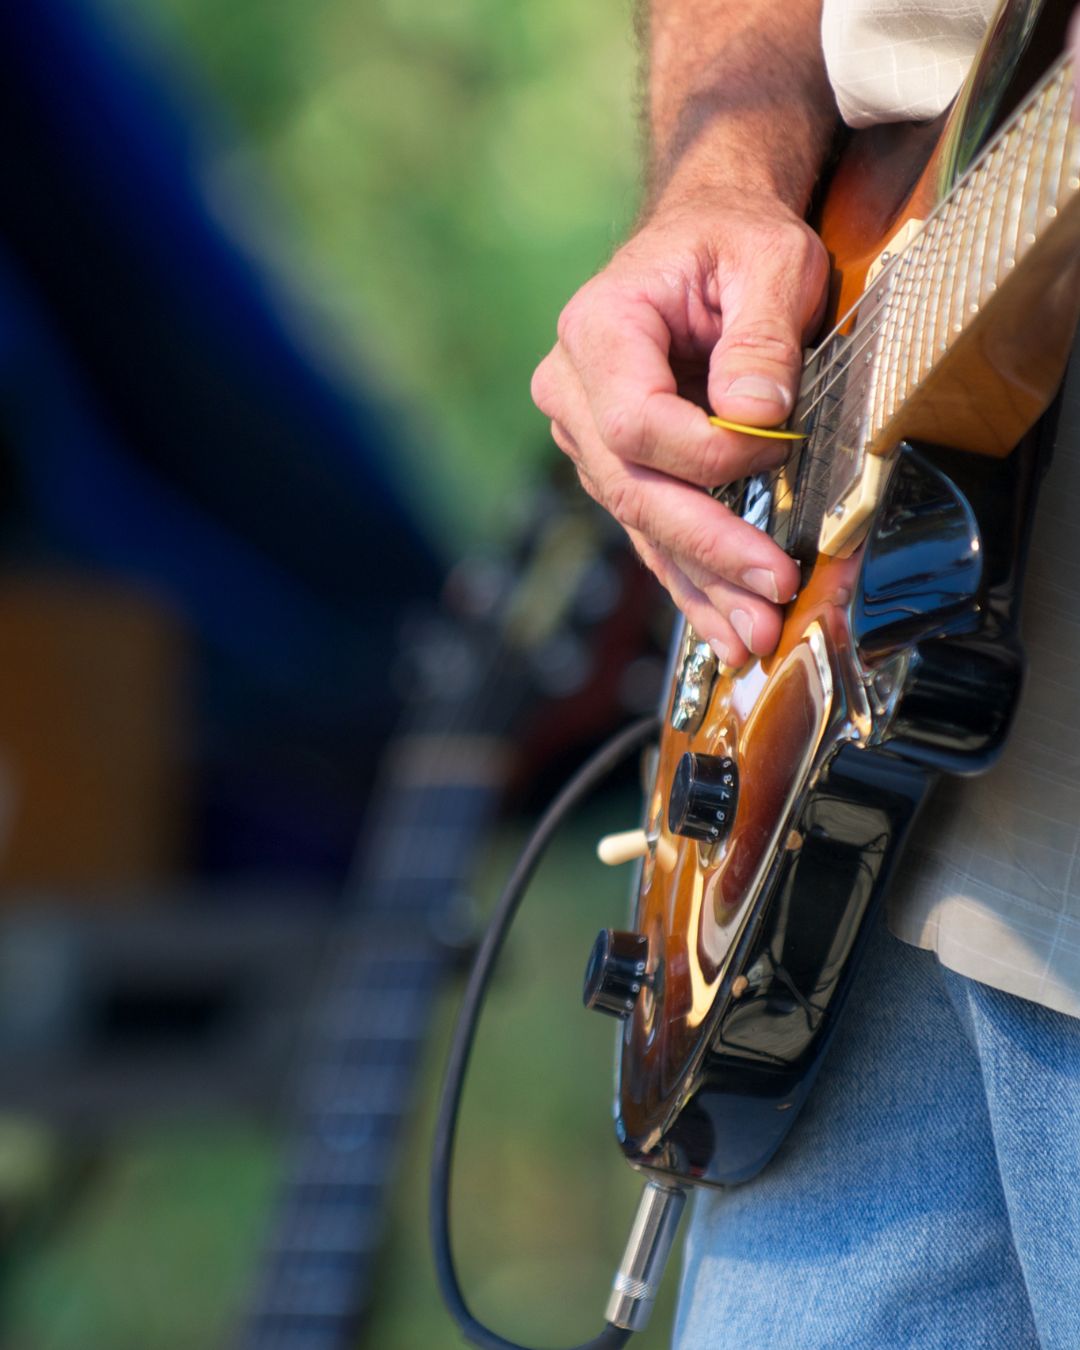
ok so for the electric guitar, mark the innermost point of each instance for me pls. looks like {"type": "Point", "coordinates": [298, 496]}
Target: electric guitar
{"type": "Point", "coordinates": [783, 792]}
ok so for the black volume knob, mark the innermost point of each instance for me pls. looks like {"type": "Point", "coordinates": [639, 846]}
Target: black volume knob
{"type": "Point", "coordinates": [704, 797]}
{"type": "Point", "coordinates": [616, 972]}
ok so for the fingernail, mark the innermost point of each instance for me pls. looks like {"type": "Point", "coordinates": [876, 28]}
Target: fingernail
{"type": "Point", "coordinates": [743, 624]}
{"type": "Point", "coordinates": [757, 386]}
{"type": "Point", "coordinates": [720, 651]}
{"type": "Point", "coordinates": [760, 579]}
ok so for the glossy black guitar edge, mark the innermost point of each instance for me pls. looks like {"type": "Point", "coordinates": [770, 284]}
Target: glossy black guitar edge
{"type": "Point", "coordinates": [934, 620]}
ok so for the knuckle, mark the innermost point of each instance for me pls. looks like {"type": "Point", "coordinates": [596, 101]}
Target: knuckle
{"type": "Point", "coordinates": [766, 339]}
{"type": "Point", "coordinates": [564, 440]}
{"type": "Point", "coordinates": [588, 483]}
{"type": "Point", "coordinates": [813, 262]}
{"type": "Point", "coordinates": [796, 243]}
{"type": "Point", "coordinates": [620, 432]}
{"type": "Point", "coordinates": [623, 500]}
{"type": "Point", "coordinates": [540, 389]}
{"type": "Point", "coordinates": [574, 319]}
{"type": "Point", "coordinates": [703, 543]}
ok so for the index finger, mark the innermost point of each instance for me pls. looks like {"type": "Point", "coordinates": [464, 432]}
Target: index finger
{"type": "Point", "coordinates": [619, 347]}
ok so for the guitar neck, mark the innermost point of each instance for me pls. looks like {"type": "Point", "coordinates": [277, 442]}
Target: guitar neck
{"type": "Point", "coordinates": [1012, 219]}
{"type": "Point", "coordinates": [362, 1049]}
{"type": "Point", "coordinates": [961, 338]}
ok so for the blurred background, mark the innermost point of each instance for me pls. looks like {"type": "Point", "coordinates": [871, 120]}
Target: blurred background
{"type": "Point", "coordinates": [300, 626]}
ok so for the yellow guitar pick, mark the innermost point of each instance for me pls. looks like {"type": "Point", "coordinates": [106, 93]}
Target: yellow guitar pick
{"type": "Point", "coordinates": [771, 435]}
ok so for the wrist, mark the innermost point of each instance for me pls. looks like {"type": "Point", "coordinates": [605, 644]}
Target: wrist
{"type": "Point", "coordinates": [776, 158]}
{"type": "Point", "coordinates": [739, 98]}
{"type": "Point", "coordinates": [712, 184]}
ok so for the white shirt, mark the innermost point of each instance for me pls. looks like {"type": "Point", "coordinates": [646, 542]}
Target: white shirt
{"type": "Point", "coordinates": [899, 60]}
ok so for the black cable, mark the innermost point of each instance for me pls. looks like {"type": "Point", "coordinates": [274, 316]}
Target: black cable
{"type": "Point", "coordinates": [583, 782]}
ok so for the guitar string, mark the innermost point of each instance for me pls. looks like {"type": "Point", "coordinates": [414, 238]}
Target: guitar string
{"type": "Point", "coordinates": [907, 259]}
{"type": "Point", "coordinates": [926, 248]}
{"type": "Point", "coordinates": [939, 253]}
{"type": "Point", "coordinates": [912, 255]}
{"type": "Point", "coordinates": [880, 282]}
{"type": "Point", "coordinates": [967, 197]}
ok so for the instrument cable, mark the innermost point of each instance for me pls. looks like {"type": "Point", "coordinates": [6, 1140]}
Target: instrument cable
{"type": "Point", "coordinates": [595, 769]}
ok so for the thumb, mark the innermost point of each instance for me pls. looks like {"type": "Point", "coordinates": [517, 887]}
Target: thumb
{"type": "Point", "coordinates": [755, 368]}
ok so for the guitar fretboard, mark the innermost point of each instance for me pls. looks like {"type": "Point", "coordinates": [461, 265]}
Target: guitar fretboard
{"type": "Point", "coordinates": [362, 1049]}
{"type": "Point", "coordinates": [1015, 193]}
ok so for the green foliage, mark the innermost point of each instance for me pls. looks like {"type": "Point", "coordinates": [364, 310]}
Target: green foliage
{"type": "Point", "coordinates": [445, 176]}
{"type": "Point", "coordinates": [157, 1250]}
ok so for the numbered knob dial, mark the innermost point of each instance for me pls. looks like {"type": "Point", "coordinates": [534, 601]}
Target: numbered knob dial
{"type": "Point", "coordinates": [616, 972]}
{"type": "Point", "coordinates": [704, 797]}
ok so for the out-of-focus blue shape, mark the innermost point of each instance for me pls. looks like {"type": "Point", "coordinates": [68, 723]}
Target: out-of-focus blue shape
{"type": "Point", "coordinates": [173, 331]}
{"type": "Point", "coordinates": [93, 499]}
{"type": "Point", "coordinates": [163, 420]}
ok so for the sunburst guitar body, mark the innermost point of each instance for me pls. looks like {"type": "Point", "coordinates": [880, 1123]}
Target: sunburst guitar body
{"type": "Point", "coordinates": [781, 794]}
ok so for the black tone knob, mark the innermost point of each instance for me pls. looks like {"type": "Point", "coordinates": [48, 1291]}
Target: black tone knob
{"type": "Point", "coordinates": [704, 797]}
{"type": "Point", "coordinates": [616, 972]}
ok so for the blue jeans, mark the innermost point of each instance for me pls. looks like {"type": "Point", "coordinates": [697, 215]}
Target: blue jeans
{"type": "Point", "coordinates": [929, 1196]}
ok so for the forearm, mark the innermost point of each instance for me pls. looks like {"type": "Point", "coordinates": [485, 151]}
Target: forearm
{"type": "Point", "coordinates": [737, 98]}
{"type": "Point", "coordinates": [707, 306]}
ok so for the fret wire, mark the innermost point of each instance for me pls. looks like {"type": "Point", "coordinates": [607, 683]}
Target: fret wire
{"type": "Point", "coordinates": [1009, 248]}
{"type": "Point", "coordinates": [969, 207]}
{"type": "Point", "coordinates": [1059, 136]}
{"type": "Point", "coordinates": [825, 369]}
{"type": "Point", "coordinates": [892, 330]}
{"type": "Point", "coordinates": [913, 319]}
{"type": "Point", "coordinates": [1070, 169]}
{"type": "Point", "coordinates": [977, 207]}
{"type": "Point", "coordinates": [899, 345]}
{"type": "Point", "coordinates": [913, 369]}
{"type": "Point", "coordinates": [871, 369]}
{"type": "Point", "coordinates": [981, 226]}
{"type": "Point", "coordinates": [940, 296]}
{"type": "Point", "coordinates": [988, 277]}
{"type": "Point", "coordinates": [950, 262]}
{"type": "Point", "coordinates": [1041, 173]}
{"type": "Point", "coordinates": [991, 231]}
{"type": "Point", "coordinates": [1010, 243]}
{"type": "Point", "coordinates": [1027, 225]}
{"type": "Point", "coordinates": [906, 318]}
{"type": "Point", "coordinates": [1050, 195]}
{"type": "Point", "coordinates": [995, 179]}
{"type": "Point", "coordinates": [957, 270]}
{"type": "Point", "coordinates": [910, 318]}
{"type": "Point", "coordinates": [926, 277]}
{"type": "Point", "coordinates": [979, 189]}
{"type": "Point", "coordinates": [935, 287]}
{"type": "Point", "coordinates": [924, 354]}
{"type": "Point", "coordinates": [1057, 168]}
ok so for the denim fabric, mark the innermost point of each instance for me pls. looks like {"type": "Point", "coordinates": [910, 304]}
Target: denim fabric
{"type": "Point", "coordinates": [929, 1196]}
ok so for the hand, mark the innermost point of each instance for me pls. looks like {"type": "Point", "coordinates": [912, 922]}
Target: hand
{"type": "Point", "coordinates": [709, 300]}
